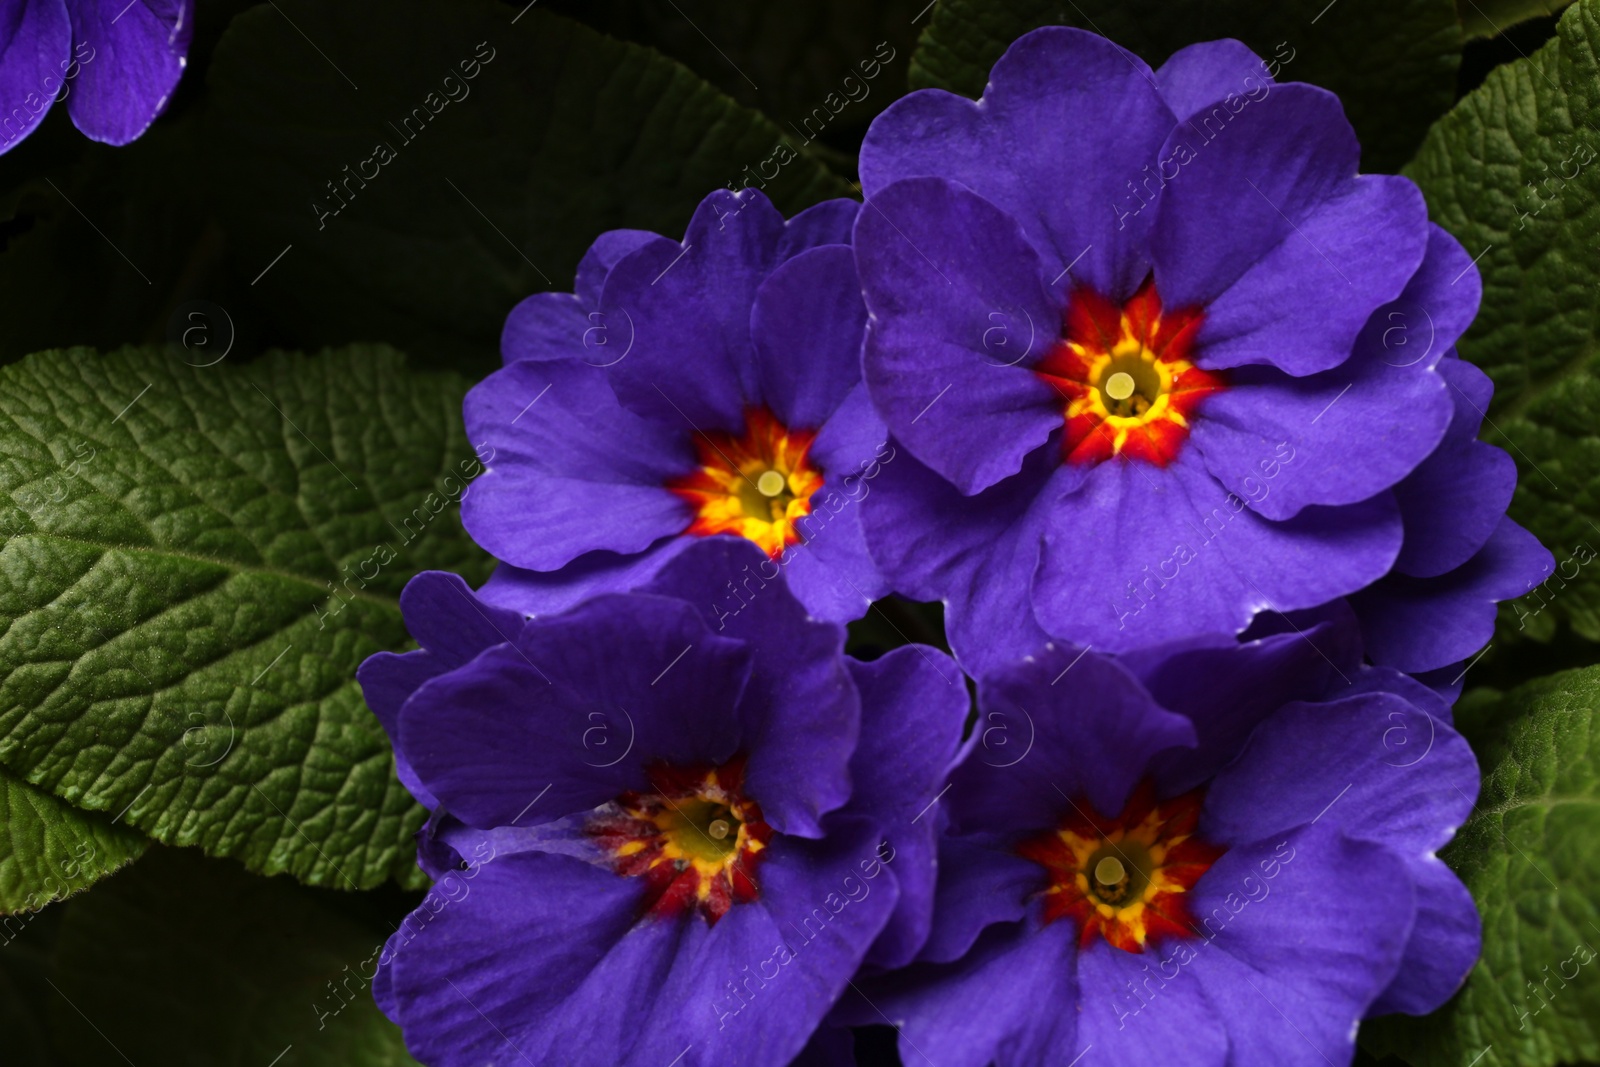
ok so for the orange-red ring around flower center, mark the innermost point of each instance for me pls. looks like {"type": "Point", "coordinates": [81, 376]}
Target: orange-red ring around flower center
{"type": "Point", "coordinates": [694, 837]}
{"type": "Point", "coordinates": [1127, 377]}
{"type": "Point", "coordinates": [1125, 878]}
{"type": "Point", "coordinates": [757, 484]}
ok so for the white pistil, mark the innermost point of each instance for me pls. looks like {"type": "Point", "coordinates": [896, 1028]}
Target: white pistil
{"type": "Point", "coordinates": [1120, 385]}
{"type": "Point", "coordinates": [771, 483]}
{"type": "Point", "coordinates": [1109, 871]}
{"type": "Point", "coordinates": [719, 827]}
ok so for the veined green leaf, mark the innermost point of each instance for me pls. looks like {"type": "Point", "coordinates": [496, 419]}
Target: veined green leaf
{"type": "Point", "coordinates": [195, 561]}
{"type": "Point", "coordinates": [1528, 855]}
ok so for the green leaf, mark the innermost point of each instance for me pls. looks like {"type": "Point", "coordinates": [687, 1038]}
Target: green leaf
{"type": "Point", "coordinates": [821, 70]}
{"type": "Point", "coordinates": [1558, 457]}
{"type": "Point", "coordinates": [1488, 18]}
{"type": "Point", "coordinates": [195, 562]}
{"type": "Point", "coordinates": [1514, 173]}
{"type": "Point", "coordinates": [50, 850]}
{"type": "Point", "coordinates": [1530, 122]}
{"type": "Point", "coordinates": [189, 962]}
{"type": "Point", "coordinates": [489, 187]}
{"type": "Point", "coordinates": [1529, 856]}
{"type": "Point", "coordinates": [1392, 63]}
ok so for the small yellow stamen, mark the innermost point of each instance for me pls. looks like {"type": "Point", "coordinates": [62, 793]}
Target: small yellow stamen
{"type": "Point", "coordinates": [1120, 385]}
{"type": "Point", "coordinates": [1109, 871]}
{"type": "Point", "coordinates": [771, 483]}
{"type": "Point", "coordinates": [757, 485]}
{"type": "Point", "coordinates": [719, 829]}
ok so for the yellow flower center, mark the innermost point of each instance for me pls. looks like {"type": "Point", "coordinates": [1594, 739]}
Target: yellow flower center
{"type": "Point", "coordinates": [695, 838]}
{"type": "Point", "coordinates": [1124, 878]}
{"type": "Point", "coordinates": [1127, 378]}
{"type": "Point", "coordinates": [757, 485]}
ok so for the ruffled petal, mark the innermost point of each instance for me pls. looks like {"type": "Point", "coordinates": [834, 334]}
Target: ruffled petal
{"type": "Point", "coordinates": [808, 323]}
{"type": "Point", "coordinates": [36, 56]}
{"type": "Point", "coordinates": [1209, 73]}
{"type": "Point", "coordinates": [607, 251]}
{"type": "Point", "coordinates": [1444, 944]}
{"type": "Point", "coordinates": [801, 712]}
{"type": "Point", "coordinates": [1385, 770]}
{"type": "Point", "coordinates": [752, 988]}
{"type": "Point", "coordinates": [574, 325]}
{"type": "Point", "coordinates": [834, 576]}
{"type": "Point", "coordinates": [1454, 500]}
{"type": "Point", "coordinates": [138, 50]}
{"type": "Point", "coordinates": [687, 304]}
{"type": "Point", "coordinates": [1065, 125]}
{"type": "Point", "coordinates": [1437, 306]}
{"type": "Point", "coordinates": [1370, 679]}
{"type": "Point", "coordinates": [1352, 431]}
{"type": "Point", "coordinates": [554, 326]}
{"type": "Point", "coordinates": [1141, 556]}
{"type": "Point", "coordinates": [459, 984]}
{"type": "Point", "coordinates": [1446, 682]}
{"type": "Point", "coordinates": [959, 314]}
{"type": "Point", "coordinates": [558, 723]}
{"type": "Point", "coordinates": [1228, 691]}
{"type": "Point", "coordinates": [591, 574]}
{"type": "Point", "coordinates": [1011, 1002]}
{"type": "Point", "coordinates": [831, 571]}
{"type": "Point", "coordinates": [1141, 1009]}
{"type": "Point", "coordinates": [1267, 227]}
{"type": "Point", "coordinates": [913, 708]}
{"type": "Point", "coordinates": [981, 883]}
{"type": "Point", "coordinates": [387, 680]}
{"type": "Point", "coordinates": [1093, 727]}
{"type": "Point", "coordinates": [449, 621]}
{"type": "Point", "coordinates": [452, 625]}
{"type": "Point", "coordinates": [915, 851]}
{"type": "Point", "coordinates": [571, 471]}
{"type": "Point", "coordinates": [1299, 935]}
{"type": "Point", "coordinates": [1304, 303]}
{"type": "Point", "coordinates": [827, 223]}
{"type": "Point", "coordinates": [1422, 624]}
{"type": "Point", "coordinates": [977, 554]}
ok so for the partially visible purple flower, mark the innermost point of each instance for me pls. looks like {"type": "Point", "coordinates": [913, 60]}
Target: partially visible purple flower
{"type": "Point", "coordinates": [703, 388]}
{"type": "Point", "coordinates": [1219, 855]}
{"type": "Point", "coordinates": [666, 841]}
{"type": "Point", "coordinates": [114, 62]}
{"type": "Point", "coordinates": [1130, 327]}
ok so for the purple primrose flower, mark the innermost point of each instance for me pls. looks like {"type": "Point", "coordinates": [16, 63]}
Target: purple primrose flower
{"type": "Point", "coordinates": [703, 388]}
{"type": "Point", "coordinates": [655, 842]}
{"type": "Point", "coordinates": [115, 63]}
{"type": "Point", "coordinates": [1137, 332]}
{"type": "Point", "coordinates": [1222, 854]}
